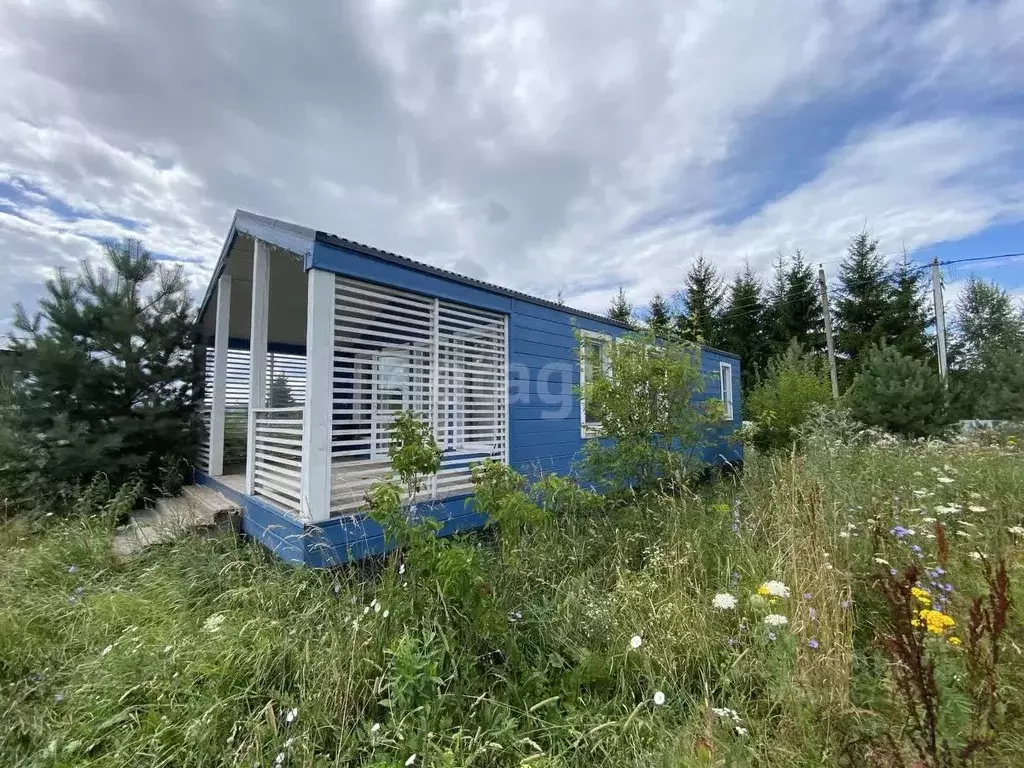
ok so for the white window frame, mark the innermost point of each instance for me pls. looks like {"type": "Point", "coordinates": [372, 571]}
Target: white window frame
{"type": "Point", "coordinates": [593, 429]}
{"type": "Point", "coordinates": [725, 381]}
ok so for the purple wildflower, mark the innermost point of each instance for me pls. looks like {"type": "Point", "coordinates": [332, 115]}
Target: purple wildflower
{"type": "Point", "coordinates": [844, 604]}
{"type": "Point", "coordinates": [899, 532]}
{"type": "Point", "coordinates": [808, 595]}
{"type": "Point", "coordinates": [812, 644]}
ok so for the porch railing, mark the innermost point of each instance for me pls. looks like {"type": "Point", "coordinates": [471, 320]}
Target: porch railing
{"type": "Point", "coordinates": [277, 455]}
{"type": "Point", "coordinates": [203, 453]}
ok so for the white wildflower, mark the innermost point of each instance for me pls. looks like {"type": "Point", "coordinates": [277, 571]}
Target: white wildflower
{"type": "Point", "coordinates": [977, 508]}
{"type": "Point", "coordinates": [976, 555]}
{"type": "Point", "coordinates": [292, 714]}
{"type": "Point", "coordinates": [375, 728]}
{"type": "Point", "coordinates": [927, 519]}
{"type": "Point", "coordinates": [659, 698]}
{"type": "Point", "coordinates": [635, 642]}
{"type": "Point", "coordinates": [881, 561]}
{"type": "Point", "coordinates": [386, 613]}
{"type": "Point", "coordinates": [726, 713]}
{"type": "Point", "coordinates": [740, 730]}
{"type": "Point", "coordinates": [1016, 530]}
{"type": "Point", "coordinates": [401, 569]}
{"type": "Point", "coordinates": [412, 759]}
{"type": "Point", "coordinates": [212, 623]}
{"type": "Point", "coordinates": [774, 589]}
{"type": "Point", "coordinates": [944, 480]}
{"type": "Point", "coordinates": [724, 601]}
{"type": "Point", "coordinates": [279, 759]}
{"type": "Point", "coordinates": [775, 620]}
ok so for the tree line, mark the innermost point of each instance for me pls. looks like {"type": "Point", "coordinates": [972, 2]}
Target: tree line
{"type": "Point", "coordinates": [878, 304]}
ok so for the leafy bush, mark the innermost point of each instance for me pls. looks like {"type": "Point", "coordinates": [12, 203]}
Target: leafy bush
{"type": "Point", "coordinates": [651, 418]}
{"type": "Point", "coordinates": [104, 378]}
{"type": "Point", "coordinates": [783, 400]}
{"type": "Point", "coordinates": [900, 394]}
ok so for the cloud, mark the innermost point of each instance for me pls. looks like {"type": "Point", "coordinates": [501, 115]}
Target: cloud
{"type": "Point", "coordinates": [547, 147]}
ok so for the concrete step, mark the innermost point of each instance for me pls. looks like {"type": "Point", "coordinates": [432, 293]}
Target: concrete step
{"type": "Point", "coordinates": [199, 509]}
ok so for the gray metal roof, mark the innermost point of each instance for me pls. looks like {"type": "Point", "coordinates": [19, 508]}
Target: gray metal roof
{"type": "Point", "coordinates": [299, 240]}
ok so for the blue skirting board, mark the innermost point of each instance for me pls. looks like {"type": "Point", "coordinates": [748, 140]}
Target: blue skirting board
{"type": "Point", "coordinates": [336, 541]}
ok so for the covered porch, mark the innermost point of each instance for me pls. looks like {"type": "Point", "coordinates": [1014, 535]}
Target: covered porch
{"type": "Point", "coordinates": [304, 370]}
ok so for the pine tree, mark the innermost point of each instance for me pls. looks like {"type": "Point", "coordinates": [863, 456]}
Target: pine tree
{"type": "Point", "coordinates": [776, 330]}
{"type": "Point", "coordinates": [702, 299]}
{"type": "Point", "coordinates": [620, 308]}
{"type": "Point", "coordinates": [899, 394]}
{"type": "Point", "coordinates": [906, 322]}
{"type": "Point", "coordinates": [800, 316]}
{"type": "Point", "coordinates": [987, 352]}
{"type": "Point", "coordinates": [862, 302]}
{"type": "Point", "coordinates": [279, 394]}
{"type": "Point", "coordinates": [106, 376]}
{"type": "Point", "coordinates": [743, 325]}
{"type": "Point", "coordinates": [659, 315]}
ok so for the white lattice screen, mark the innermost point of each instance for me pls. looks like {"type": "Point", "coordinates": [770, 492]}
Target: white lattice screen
{"type": "Point", "coordinates": [396, 350]}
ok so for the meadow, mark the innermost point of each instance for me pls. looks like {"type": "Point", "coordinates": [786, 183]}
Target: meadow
{"type": "Point", "coordinates": [785, 615]}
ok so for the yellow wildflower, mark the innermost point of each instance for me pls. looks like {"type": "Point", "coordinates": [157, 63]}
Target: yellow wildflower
{"type": "Point", "coordinates": [937, 622]}
{"type": "Point", "coordinates": [954, 641]}
{"type": "Point", "coordinates": [922, 596]}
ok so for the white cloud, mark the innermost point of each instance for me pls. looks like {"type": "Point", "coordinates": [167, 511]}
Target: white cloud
{"type": "Point", "coordinates": [520, 142]}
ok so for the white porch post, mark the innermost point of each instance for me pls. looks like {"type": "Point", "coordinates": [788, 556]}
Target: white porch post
{"type": "Point", "coordinates": [316, 414]}
{"type": "Point", "coordinates": [257, 354]}
{"type": "Point", "coordinates": [220, 376]}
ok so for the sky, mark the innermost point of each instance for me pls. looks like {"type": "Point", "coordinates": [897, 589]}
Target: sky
{"type": "Point", "coordinates": [556, 148]}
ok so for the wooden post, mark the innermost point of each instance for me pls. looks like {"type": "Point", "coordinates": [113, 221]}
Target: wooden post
{"type": "Point", "coordinates": [257, 354]}
{"type": "Point", "coordinates": [435, 373]}
{"type": "Point", "coordinates": [318, 409]}
{"type": "Point", "coordinates": [218, 410]}
{"type": "Point", "coordinates": [828, 332]}
{"type": "Point", "coordinates": [940, 319]}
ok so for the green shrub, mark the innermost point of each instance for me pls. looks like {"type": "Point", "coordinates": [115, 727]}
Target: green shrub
{"type": "Point", "coordinates": [782, 401]}
{"type": "Point", "coordinates": [645, 392]}
{"type": "Point", "coordinates": [900, 394]}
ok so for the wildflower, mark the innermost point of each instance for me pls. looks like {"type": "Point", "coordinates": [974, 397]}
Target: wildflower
{"type": "Point", "coordinates": [775, 620]}
{"type": "Point", "coordinates": [292, 714]}
{"type": "Point", "coordinates": [412, 759]}
{"type": "Point", "coordinates": [724, 601]}
{"type": "Point", "coordinates": [977, 508]}
{"type": "Point", "coordinates": [374, 728]}
{"type": "Point", "coordinates": [954, 641]}
{"type": "Point", "coordinates": [900, 532]}
{"type": "Point", "coordinates": [944, 480]}
{"type": "Point", "coordinates": [1016, 530]}
{"type": "Point", "coordinates": [366, 609]}
{"type": "Point", "coordinates": [844, 604]}
{"type": "Point", "coordinates": [386, 613]}
{"type": "Point", "coordinates": [771, 636]}
{"type": "Point", "coordinates": [289, 742]}
{"type": "Point", "coordinates": [773, 589]}
{"type": "Point", "coordinates": [808, 595]}
{"type": "Point", "coordinates": [279, 759]}
{"type": "Point", "coordinates": [376, 607]}
{"type": "Point", "coordinates": [881, 561]}
{"type": "Point", "coordinates": [921, 595]}
{"type": "Point", "coordinates": [735, 577]}
{"type": "Point", "coordinates": [72, 568]}
{"type": "Point", "coordinates": [726, 713]}
{"type": "Point", "coordinates": [659, 698]}
{"type": "Point", "coordinates": [213, 622]}
{"type": "Point", "coordinates": [635, 642]}
{"type": "Point", "coordinates": [976, 555]}
{"type": "Point", "coordinates": [928, 520]}
{"type": "Point", "coordinates": [937, 622]}
{"type": "Point", "coordinates": [813, 644]}
{"type": "Point", "coordinates": [401, 569]}
{"type": "Point", "coordinates": [515, 616]}
{"type": "Point", "coordinates": [740, 730]}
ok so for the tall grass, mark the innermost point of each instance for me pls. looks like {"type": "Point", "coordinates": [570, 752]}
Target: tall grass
{"type": "Point", "coordinates": [213, 653]}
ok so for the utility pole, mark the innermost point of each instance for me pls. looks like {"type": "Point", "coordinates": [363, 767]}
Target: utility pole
{"type": "Point", "coordinates": [828, 332]}
{"type": "Point", "coordinates": [940, 320]}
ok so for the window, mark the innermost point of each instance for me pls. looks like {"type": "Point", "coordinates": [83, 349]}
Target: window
{"type": "Point", "coordinates": [593, 363]}
{"type": "Point", "coordinates": [725, 374]}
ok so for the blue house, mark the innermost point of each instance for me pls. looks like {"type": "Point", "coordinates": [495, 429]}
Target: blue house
{"type": "Point", "coordinates": [311, 344]}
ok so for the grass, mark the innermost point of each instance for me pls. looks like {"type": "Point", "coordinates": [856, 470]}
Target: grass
{"type": "Point", "coordinates": [196, 653]}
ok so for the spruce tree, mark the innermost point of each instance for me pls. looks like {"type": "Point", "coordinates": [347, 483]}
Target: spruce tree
{"type": "Point", "coordinates": [776, 330]}
{"type": "Point", "coordinates": [620, 308]}
{"type": "Point", "coordinates": [862, 302]}
{"type": "Point", "coordinates": [659, 315]}
{"type": "Point", "coordinates": [702, 298]}
{"type": "Point", "coordinates": [743, 325]}
{"type": "Point", "coordinates": [900, 394]}
{"type": "Point", "coordinates": [800, 315]}
{"type": "Point", "coordinates": [908, 318]}
{"type": "Point", "coordinates": [106, 374]}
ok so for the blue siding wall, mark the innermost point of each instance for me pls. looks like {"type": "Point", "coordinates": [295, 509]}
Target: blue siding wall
{"type": "Point", "coordinates": [544, 415]}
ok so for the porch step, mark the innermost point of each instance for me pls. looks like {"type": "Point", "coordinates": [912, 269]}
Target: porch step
{"type": "Point", "coordinates": [198, 509]}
